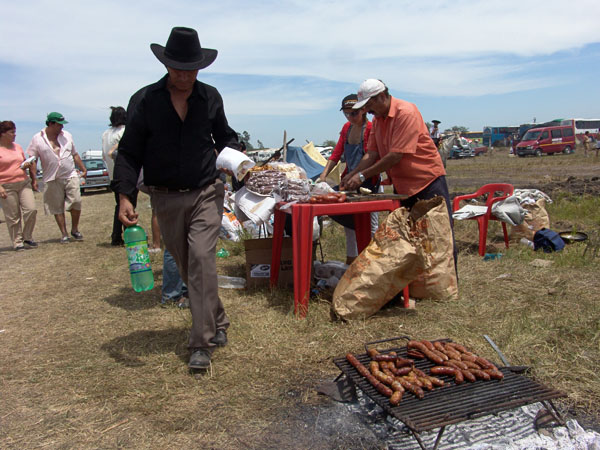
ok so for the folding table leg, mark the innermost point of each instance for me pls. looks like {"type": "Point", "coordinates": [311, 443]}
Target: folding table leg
{"type": "Point", "coordinates": [279, 222]}
{"type": "Point", "coordinates": [302, 228]}
{"type": "Point", "coordinates": [362, 228]}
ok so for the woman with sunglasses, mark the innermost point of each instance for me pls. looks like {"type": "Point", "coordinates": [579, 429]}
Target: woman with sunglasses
{"type": "Point", "coordinates": [352, 144]}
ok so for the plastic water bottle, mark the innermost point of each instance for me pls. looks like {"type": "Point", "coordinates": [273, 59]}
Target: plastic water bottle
{"type": "Point", "coordinates": [527, 242]}
{"type": "Point", "coordinates": [222, 253]}
{"type": "Point", "coordinates": [231, 282]}
{"type": "Point", "coordinates": [492, 256]}
{"type": "Point", "coordinates": [136, 244]}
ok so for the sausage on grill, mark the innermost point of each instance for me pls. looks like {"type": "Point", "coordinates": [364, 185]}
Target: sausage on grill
{"type": "Point", "coordinates": [381, 388]}
{"type": "Point", "coordinates": [396, 398]}
{"type": "Point", "coordinates": [494, 374]}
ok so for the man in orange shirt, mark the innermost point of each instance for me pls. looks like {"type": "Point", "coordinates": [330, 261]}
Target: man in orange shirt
{"type": "Point", "coordinates": [400, 145]}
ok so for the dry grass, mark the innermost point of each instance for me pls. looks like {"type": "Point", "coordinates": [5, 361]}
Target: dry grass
{"type": "Point", "coordinates": [88, 363]}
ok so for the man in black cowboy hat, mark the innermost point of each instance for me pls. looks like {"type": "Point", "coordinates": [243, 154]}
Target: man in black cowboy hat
{"type": "Point", "coordinates": [174, 130]}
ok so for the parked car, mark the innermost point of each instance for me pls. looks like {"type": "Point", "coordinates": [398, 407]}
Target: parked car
{"type": "Point", "coordinates": [97, 175]}
{"type": "Point", "coordinates": [547, 140]}
{"type": "Point", "coordinates": [481, 150]}
{"type": "Point", "coordinates": [461, 149]}
{"type": "Point", "coordinates": [466, 148]}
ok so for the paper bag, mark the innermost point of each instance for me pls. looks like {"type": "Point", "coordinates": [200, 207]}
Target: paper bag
{"type": "Point", "coordinates": [438, 280]}
{"type": "Point", "coordinates": [391, 260]}
{"type": "Point", "coordinates": [536, 218]}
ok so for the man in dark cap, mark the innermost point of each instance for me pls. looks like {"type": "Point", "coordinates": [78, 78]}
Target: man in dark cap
{"type": "Point", "coordinates": [175, 128]}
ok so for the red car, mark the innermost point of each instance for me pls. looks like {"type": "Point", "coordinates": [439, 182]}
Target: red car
{"type": "Point", "coordinates": [482, 150]}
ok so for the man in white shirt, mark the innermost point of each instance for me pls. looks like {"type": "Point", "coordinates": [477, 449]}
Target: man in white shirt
{"type": "Point", "coordinates": [56, 151]}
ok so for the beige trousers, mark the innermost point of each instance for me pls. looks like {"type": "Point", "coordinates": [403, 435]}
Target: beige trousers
{"type": "Point", "coordinates": [19, 211]}
{"type": "Point", "coordinates": [189, 225]}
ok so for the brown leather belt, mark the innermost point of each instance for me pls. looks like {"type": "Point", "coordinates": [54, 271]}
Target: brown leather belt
{"type": "Point", "coordinates": [167, 189]}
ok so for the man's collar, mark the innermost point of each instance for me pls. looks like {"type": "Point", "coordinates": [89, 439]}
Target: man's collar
{"type": "Point", "coordinates": [390, 113]}
{"type": "Point", "coordinates": [46, 134]}
{"type": "Point", "coordinates": [197, 90]}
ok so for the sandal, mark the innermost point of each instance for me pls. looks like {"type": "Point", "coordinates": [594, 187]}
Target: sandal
{"type": "Point", "coordinates": [77, 235]}
{"type": "Point", "coordinates": [64, 240]}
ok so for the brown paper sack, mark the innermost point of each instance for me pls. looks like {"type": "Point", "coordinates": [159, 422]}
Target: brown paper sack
{"type": "Point", "coordinates": [536, 218]}
{"type": "Point", "coordinates": [398, 254]}
{"type": "Point", "coordinates": [438, 281]}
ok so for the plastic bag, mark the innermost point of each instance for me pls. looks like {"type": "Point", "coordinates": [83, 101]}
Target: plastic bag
{"type": "Point", "coordinates": [321, 188]}
{"type": "Point", "coordinates": [293, 190]}
{"type": "Point", "coordinates": [230, 227]}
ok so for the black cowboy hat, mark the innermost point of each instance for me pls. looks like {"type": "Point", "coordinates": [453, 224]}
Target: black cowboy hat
{"type": "Point", "coordinates": [436, 121]}
{"type": "Point", "coordinates": [183, 51]}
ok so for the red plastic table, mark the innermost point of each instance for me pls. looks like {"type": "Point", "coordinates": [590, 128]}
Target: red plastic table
{"type": "Point", "coordinates": [302, 233]}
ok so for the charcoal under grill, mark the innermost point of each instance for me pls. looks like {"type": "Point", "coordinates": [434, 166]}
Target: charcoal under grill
{"type": "Point", "coordinates": [451, 403]}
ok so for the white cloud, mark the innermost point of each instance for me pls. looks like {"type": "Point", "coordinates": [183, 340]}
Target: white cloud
{"type": "Point", "coordinates": [87, 55]}
{"type": "Point", "coordinates": [291, 37]}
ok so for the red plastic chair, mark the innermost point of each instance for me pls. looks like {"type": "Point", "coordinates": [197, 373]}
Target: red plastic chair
{"type": "Point", "coordinates": [490, 191]}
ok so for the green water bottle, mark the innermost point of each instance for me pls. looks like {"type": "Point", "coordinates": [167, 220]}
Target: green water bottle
{"type": "Point", "coordinates": [136, 244]}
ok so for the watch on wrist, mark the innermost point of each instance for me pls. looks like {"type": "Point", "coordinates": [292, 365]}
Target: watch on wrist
{"type": "Point", "coordinates": [361, 177]}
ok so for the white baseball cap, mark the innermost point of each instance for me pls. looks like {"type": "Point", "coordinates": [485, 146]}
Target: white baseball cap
{"type": "Point", "coordinates": [368, 88]}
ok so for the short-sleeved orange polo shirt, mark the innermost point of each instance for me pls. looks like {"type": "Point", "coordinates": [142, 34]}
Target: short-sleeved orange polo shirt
{"type": "Point", "coordinates": [404, 131]}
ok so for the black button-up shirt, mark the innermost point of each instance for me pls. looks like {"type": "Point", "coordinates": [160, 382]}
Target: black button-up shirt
{"type": "Point", "coordinates": [174, 153]}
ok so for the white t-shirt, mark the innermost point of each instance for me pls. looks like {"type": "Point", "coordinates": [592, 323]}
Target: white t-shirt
{"type": "Point", "coordinates": [111, 137]}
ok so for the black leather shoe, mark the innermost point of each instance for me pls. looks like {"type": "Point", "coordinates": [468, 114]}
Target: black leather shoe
{"type": "Point", "coordinates": [199, 359]}
{"type": "Point", "coordinates": [31, 243]}
{"type": "Point", "coordinates": [220, 338]}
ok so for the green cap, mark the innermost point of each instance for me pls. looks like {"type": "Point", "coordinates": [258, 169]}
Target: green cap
{"type": "Point", "coordinates": [56, 117]}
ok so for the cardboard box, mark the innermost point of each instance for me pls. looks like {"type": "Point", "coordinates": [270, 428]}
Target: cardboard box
{"type": "Point", "coordinates": [258, 262]}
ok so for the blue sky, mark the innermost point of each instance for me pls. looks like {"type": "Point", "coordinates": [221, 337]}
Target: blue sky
{"type": "Point", "coordinates": [286, 65]}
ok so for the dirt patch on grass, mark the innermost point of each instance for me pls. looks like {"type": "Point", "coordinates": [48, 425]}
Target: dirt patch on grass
{"type": "Point", "coordinates": [556, 175]}
{"type": "Point", "coordinates": [573, 186]}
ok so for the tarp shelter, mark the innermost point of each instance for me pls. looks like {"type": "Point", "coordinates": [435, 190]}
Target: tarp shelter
{"type": "Point", "coordinates": [299, 157]}
{"type": "Point", "coordinates": [311, 161]}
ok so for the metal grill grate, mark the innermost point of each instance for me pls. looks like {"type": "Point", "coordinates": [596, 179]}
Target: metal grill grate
{"type": "Point", "coordinates": [452, 403]}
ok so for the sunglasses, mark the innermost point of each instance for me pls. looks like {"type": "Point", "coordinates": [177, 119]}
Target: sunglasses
{"type": "Point", "coordinates": [351, 113]}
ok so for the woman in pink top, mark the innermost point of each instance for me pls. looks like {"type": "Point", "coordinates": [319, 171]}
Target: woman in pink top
{"type": "Point", "coordinates": [16, 189]}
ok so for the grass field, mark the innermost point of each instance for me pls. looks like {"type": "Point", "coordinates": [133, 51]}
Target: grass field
{"type": "Point", "coordinates": [88, 363]}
